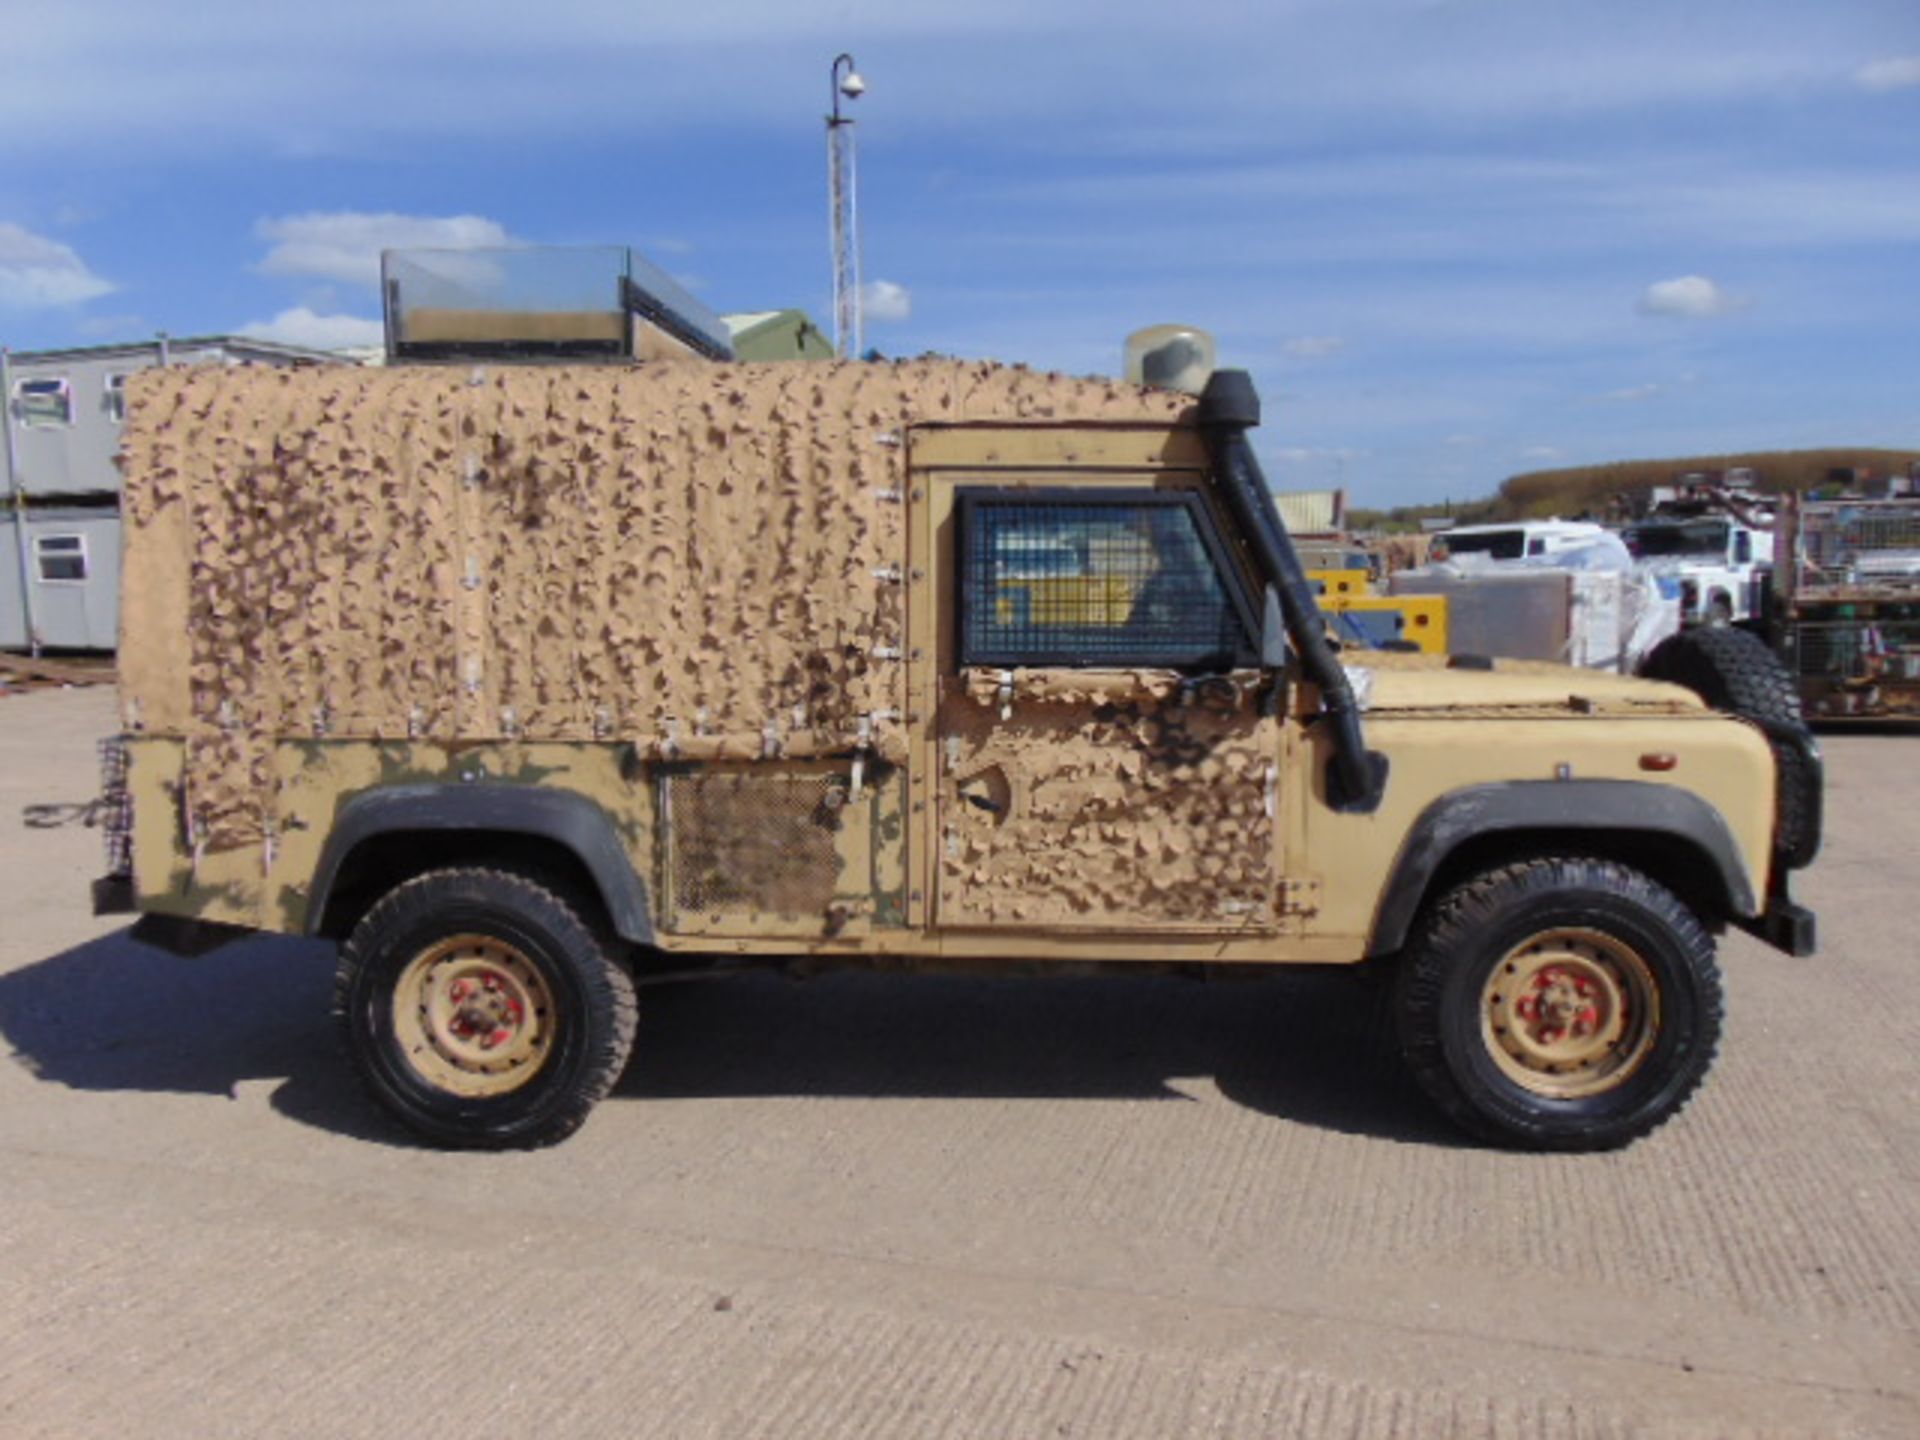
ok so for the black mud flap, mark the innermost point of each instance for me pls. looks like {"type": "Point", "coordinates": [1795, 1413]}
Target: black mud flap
{"type": "Point", "coordinates": [113, 895]}
{"type": "Point", "coordinates": [1785, 925]}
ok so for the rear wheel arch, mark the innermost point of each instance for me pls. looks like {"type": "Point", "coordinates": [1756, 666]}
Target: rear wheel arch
{"type": "Point", "coordinates": [383, 838]}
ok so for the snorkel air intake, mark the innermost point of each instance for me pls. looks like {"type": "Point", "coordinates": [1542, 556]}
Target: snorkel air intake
{"type": "Point", "coordinates": [1229, 407]}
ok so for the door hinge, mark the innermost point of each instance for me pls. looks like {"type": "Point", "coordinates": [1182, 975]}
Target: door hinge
{"type": "Point", "coordinates": [1299, 895]}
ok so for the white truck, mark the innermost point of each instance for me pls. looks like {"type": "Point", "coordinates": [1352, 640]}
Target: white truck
{"type": "Point", "coordinates": [1716, 565]}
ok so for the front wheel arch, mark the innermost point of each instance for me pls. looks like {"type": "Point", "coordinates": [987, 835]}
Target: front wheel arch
{"type": "Point", "coordinates": [1651, 827]}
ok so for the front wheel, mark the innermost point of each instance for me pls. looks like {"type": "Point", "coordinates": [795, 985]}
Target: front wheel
{"type": "Point", "coordinates": [482, 1011]}
{"type": "Point", "coordinates": [1560, 1004]}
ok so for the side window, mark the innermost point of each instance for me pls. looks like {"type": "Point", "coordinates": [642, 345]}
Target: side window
{"type": "Point", "coordinates": [1743, 547]}
{"type": "Point", "coordinates": [1059, 578]}
{"type": "Point", "coordinates": [62, 559]}
{"type": "Point", "coordinates": [116, 398]}
{"type": "Point", "coordinates": [1536, 547]}
{"type": "Point", "coordinates": [43, 402]}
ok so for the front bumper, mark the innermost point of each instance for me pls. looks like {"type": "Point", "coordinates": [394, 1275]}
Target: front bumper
{"type": "Point", "coordinates": [1785, 925]}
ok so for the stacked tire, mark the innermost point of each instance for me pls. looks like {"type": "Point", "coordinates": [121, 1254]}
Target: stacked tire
{"type": "Point", "coordinates": [1734, 670]}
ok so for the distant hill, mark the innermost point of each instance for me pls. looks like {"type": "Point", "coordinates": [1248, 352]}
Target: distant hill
{"type": "Point", "coordinates": [1589, 487]}
{"type": "Point", "coordinates": [1578, 489]}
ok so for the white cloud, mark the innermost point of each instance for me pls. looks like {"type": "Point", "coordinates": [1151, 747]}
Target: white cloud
{"type": "Point", "coordinates": [346, 244]}
{"type": "Point", "coordinates": [1895, 74]}
{"type": "Point", "coordinates": [1308, 454]}
{"type": "Point", "coordinates": [885, 301]}
{"type": "Point", "coordinates": [300, 326]}
{"type": "Point", "coordinates": [1313, 347]}
{"type": "Point", "coordinates": [1464, 441]}
{"type": "Point", "coordinates": [1688, 295]}
{"type": "Point", "coordinates": [1541, 452]}
{"type": "Point", "coordinates": [1635, 392]}
{"type": "Point", "coordinates": [36, 271]}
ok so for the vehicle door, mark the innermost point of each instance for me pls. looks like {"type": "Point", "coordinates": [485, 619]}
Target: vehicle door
{"type": "Point", "coordinates": [1101, 754]}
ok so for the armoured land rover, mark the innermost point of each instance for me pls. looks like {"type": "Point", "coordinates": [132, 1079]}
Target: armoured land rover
{"type": "Point", "coordinates": [533, 685]}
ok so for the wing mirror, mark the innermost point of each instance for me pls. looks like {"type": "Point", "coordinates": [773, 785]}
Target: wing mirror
{"type": "Point", "coordinates": [1273, 633]}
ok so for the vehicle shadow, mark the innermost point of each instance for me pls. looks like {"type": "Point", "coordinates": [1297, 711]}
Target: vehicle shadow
{"type": "Point", "coordinates": [118, 1014]}
{"type": "Point", "coordinates": [1314, 1048]}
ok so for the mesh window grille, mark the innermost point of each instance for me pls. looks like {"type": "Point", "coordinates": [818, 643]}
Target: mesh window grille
{"type": "Point", "coordinates": [1086, 583]}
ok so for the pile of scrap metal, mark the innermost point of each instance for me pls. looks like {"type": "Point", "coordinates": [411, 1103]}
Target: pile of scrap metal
{"type": "Point", "coordinates": [1566, 591]}
{"type": "Point", "coordinates": [1847, 604]}
{"type": "Point", "coordinates": [21, 672]}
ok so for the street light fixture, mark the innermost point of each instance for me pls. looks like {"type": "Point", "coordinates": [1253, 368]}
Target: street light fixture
{"type": "Point", "coordinates": [843, 209]}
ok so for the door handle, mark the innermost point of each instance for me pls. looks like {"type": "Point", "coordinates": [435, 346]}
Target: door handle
{"type": "Point", "coordinates": [987, 790]}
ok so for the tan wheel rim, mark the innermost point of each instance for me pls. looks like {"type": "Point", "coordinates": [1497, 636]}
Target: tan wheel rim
{"type": "Point", "coordinates": [473, 1016]}
{"type": "Point", "coordinates": [1569, 1013]}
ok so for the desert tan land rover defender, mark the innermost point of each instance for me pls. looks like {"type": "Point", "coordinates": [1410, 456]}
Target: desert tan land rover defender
{"type": "Point", "coordinates": [531, 685]}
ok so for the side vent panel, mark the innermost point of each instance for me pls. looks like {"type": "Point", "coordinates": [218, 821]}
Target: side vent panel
{"type": "Point", "coordinates": [761, 850]}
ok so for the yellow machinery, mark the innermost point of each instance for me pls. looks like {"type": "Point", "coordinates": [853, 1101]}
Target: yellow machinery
{"type": "Point", "coordinates": [1418, 619]}
{"type": "Point", "coordinates": [1360, 616]}
{"type": "Point", "coordinates": [1340, 582]}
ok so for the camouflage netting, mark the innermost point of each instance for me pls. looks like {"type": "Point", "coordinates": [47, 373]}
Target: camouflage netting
{"type": "Point", "coordinates": [701, 559]}
{"type": "Point", "coordinates": [1113, 803]}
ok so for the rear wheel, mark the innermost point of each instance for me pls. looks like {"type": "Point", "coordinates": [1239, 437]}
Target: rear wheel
{"type": "Point", "coordinates": [1560, 1004]}
{"type": "Point", "coordinates": [482, 1010]}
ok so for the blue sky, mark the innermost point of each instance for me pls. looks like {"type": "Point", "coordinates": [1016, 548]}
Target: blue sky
{"type": "Point", "coordinates": [1453, 239]}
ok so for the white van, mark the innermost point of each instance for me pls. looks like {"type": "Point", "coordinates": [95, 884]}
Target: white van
{"type": "Point", "coordinates": [1520, 540]}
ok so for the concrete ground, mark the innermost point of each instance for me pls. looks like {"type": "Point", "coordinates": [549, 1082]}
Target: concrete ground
{"type": "Point", "coordinates": [867, 1207]}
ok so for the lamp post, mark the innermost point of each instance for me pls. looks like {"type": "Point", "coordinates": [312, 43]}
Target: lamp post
{"type": "Point", "coordinates": [843, 209]}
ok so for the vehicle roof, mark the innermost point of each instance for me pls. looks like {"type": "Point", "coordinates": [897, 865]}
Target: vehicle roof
{"type": "Point", "coordinates": [1539, 527]}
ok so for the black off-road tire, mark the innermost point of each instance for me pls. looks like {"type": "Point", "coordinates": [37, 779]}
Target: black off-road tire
{"type": "Point", "coordinates": [576, 1024]}
{"type": "Point", "coordinates": [1458, 966]}
{"type": "Point", "coordinates": [1736, 671]}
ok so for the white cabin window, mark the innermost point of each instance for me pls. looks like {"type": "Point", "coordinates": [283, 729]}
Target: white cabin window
{"type": "Point", "coordinates": [116, 397]}
{"type": "Point", "coordinates": [43, 402]}
{"type": "Point", "coordinates": [62, 559]}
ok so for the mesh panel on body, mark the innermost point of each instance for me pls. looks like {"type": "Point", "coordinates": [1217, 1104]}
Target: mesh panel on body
{"type": "Point", "coordinates": [760, 842]}
{"type": "Point", "coordinates": [116, 806]}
